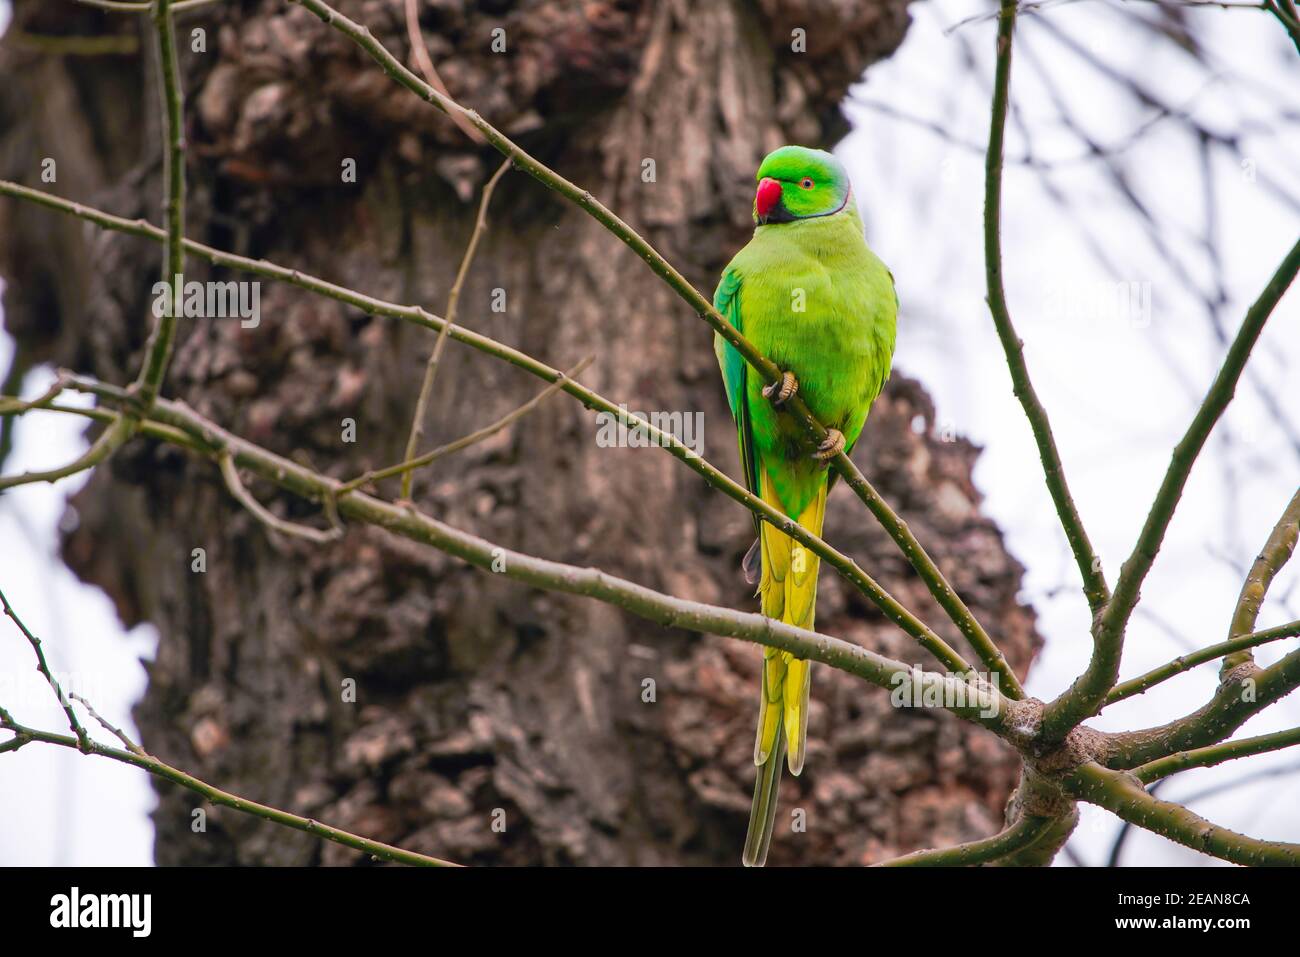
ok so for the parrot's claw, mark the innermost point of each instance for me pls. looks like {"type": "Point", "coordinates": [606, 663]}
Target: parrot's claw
{"type": "Point", "coordinates": [780, 394]}
{"type": "Point", "coordinates": [832, 447]}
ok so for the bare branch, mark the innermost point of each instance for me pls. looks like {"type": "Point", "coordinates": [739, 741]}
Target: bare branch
{"type": "Point", "coordinates": [231, 476]}
{"type": "Point", "coordinates": [1286, 14]}
{"type": "Point", "coordinates": [420, 52]}
{"type": "Point", "coordinates": [139, 759]}
{"type": "Point", "coordinates": [160, 340]}
{"type": "Point", "coordinates": [1186, 662]}
{"type": "Point", "coordinates": [1016, 837]}
{"type": "Point", "coordinates": [52, 45]}
{"type": "Point", "coordinates": [1216, 754]}
{"type": "Point", "coordinates": [108, 442]}
{"type": "Point", "coordinates": [15, 405]}
{"type": "Point", "coordinates": [1123, 796]}
{"type": "Point", "coordinates": [83, 739]}
{"type": "Point", "coordinates": [109, 727]}
{"type": "Point", "coordinates": [154, 430]}
{"type": "Point", "coordinates": [128, 6]}
{"type": "Point", "coordinates": [453, 300]}
{"type": "Point", "coordinates": [464, 442]}
{"type": "Point", "coordinates": [1094, 582]}
{"type": "Point", "coordinates": [159, 349]}
{"type": "Point", "coordinates": [1275, 553]}
{"type": "Point", "coordinates": [1126, 829]}
{"type": "Point", "coordinates": [137, 756]}
{"type": "Point", "coordinates": [1241, 695]}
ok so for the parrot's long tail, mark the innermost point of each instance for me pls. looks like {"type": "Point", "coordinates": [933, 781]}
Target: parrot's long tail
{"type": "Point", "coordinates": [788, 591]}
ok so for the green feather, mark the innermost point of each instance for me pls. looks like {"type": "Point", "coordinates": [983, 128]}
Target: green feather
{"type": "Point", "coordinates": [735, 373]}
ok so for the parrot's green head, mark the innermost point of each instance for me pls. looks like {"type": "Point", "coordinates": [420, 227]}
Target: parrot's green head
{"type": "Point", "coordinates": [796, 183]}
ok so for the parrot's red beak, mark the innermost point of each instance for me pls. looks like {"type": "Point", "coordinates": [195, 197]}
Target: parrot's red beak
{"type": "Point", "coordinates": [768, 195]}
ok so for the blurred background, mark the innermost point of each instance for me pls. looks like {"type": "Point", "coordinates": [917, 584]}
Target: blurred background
{"type": "Point", "coordinates": [1153, 156]}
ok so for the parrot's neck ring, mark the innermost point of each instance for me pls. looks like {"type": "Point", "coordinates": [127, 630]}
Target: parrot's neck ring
{"type": "Point", "coordinates": [847, 196]}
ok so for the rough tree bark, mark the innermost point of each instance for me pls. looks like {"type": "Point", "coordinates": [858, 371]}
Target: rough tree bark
{"type": "Point", "coordinates": [472, 693]}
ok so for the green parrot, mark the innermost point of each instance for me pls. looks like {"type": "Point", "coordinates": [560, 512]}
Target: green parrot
{"type": "Point", "coordinates": [810, 295]}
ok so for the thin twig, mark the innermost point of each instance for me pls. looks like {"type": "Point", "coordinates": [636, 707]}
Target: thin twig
{"type": "Point", "coordinates": [44, 399]}
{"type": "Point", "coordinates": [147, 762]}
{"type": "Point", "coordinates": [231, 476]}
{"type": "Point", "coordinates": [159, 348]}
{"type": "Point", "coordinates": [76, 45]}
{"type": "Point", "coordinates": [1275, 553]}
{"type": "Point", "coordinates": [83, 739]}
{"type": "Point", "coordinates": [146, 428]}
{"type": "Point", "coordinates": [1094, 581]}
{"type": "Point", "coordinates": [108, 442]}
{"type": "Point", "coordinates": [453, 299]}
{"type": "Point", "coordinates": [211, 443]}
{"type": "Point", "coordinates": [1155, 676]}
{"type": "Point", "coordinates": [464, 442]}
{"type": "Point", "coordinates": [420, 51]}
{"type": "Point", "coordinates": [1016, 837]}
{"type": "Point", "coordinates": [1248, 691]}
{"type": "Point", "coordinates": [1126, 830]}
{"type": "Point", "coordinates": [1043, 5]}
{"type": "Point", "coordinates": [127, 6]}
{"type": "Point", "coordinates": [99, 450]}
{"type": "Point", "coordinates": [1216, 754]}
{"type": "Point", "coordinates": [110, 728]}
{"type": "Point", "coordinates": [1285, 11]}
{"type": "Point", "coordinates": [1123, 796]}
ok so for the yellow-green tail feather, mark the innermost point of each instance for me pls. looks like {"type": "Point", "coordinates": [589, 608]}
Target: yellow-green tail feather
{"type": "Point", "coordinates": [788, 593]}
{"type": "Point", "coordinates": [762, 813]}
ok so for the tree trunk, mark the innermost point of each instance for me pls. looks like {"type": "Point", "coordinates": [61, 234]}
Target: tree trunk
{"type": "Point", "coordinates": [479, 701]}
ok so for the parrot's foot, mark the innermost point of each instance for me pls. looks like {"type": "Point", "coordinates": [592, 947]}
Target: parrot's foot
{"type": "Point", "coordinates": [780, 394]}
{"type": "Point", "coordinates": [832, 447]}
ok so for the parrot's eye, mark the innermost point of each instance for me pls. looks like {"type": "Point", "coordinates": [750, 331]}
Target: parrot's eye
{"type": "Point", "coordinates": [806, 182]}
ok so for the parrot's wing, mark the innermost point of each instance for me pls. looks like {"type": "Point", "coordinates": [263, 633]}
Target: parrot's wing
{"type": "Point", "coordinates": [726, 299]}
{"type": "Point", "coordinates": [735, 373]}
{"type": "Point", "coordinates": [884, 377]}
